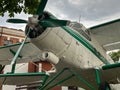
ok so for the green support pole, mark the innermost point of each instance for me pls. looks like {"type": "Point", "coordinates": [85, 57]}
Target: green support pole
{"type": "Point", "coordinates": [12, 45]}
{"type": "Point", "coordinates": [58, 74]}
{"type": "Point", "coordinates": [13, 52]}
{"type": "Point", "coordinates": [22, 74]}
{"type": "Point", "coordinates": [44, 80]}
{"type": "Point", "coordinates": [4, 80]}
{"type": "Point", "coordinates": [97, 77]}
{"type": "Point", "coordinates": [81, 79]}
{"type": "Point", "coordinates": [107, 88]}
{"type": "Point", "coordinates": [73, 74]}
{"type": "Point", "coordinates": [17, 54]}
{"type": "Point", "coordinates": [110, 66]}
{"type": "Point", "coordinates": [63, 80]}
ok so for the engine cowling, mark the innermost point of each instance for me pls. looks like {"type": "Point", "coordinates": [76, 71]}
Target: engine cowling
{"type": "Point", "coordinates": [36, 28]}
{"type": "Point", "coordinates": [35, 32]}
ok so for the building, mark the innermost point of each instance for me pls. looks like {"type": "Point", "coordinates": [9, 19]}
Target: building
{"type": "Point", "coordinates": [11, 36]}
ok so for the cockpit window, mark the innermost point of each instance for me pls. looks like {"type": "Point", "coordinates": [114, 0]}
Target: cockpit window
{"type": "Point", "coordinates": [76, 25]}
{"type": "Point", "coordinates": [80, 29]}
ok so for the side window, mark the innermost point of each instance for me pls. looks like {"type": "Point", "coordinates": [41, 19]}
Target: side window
{"type": "Point", "coordinates": [81, 30]}
{"type": "Point", "coordinates": [17, 41]}
{"type": "Point", "coordinates": [85, 34]}
{"type": "Point", "coordinates": [7, 42]}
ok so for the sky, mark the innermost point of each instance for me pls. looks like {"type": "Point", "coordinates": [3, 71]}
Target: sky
{"type": "Point", "coordinates": [87, 12]}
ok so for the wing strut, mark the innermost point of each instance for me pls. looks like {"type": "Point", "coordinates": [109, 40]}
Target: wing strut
{"type": "Point", "coordinates": [13, 74]}
{"type": "Point", "coordinates": [110, 66]}
{"type": "Point", "coordinates": [72, 74]}
{"type": "Point", "coordinates": [18, 53]}
{"type": "Point", "coordinates": [101, 85]}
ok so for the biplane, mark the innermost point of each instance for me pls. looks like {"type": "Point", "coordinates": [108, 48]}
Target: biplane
{"type": "Point", "coordinates": [78, 53]}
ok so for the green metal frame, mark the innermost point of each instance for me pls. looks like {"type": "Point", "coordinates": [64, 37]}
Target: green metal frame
{"type": "Point", "coordinates": [17, 53]}
{"type": "Point", "coordinates": [97, 77]}
{"type": "Point", "coordinates": [45, 75]}
{"type": "Point", "coordinates": [52, 79]}
{"type": "Point", "coordinates": [12, 45]}
{"type": "Point", "coordinates": [73, 74]}
{"type": "Point", "coordinates": [110, 66]}
{"type": "Point", "coordinates": [13, 52]}
{"type": "Point", "coordinates": [61, 81]}
{"type": "Point", "coordinates": [45, 84]}
{"type": "Point", "coordinates": [44, 80]}
{"type": "Point", "coordinates": [23, 74]}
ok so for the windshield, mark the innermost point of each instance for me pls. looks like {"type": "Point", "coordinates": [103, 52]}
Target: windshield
{"type": "Point", "coordinates": [80, 29]}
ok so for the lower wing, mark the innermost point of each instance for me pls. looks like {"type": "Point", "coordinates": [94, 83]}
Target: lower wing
{"type": "Point", "coordinates": [29, 53]}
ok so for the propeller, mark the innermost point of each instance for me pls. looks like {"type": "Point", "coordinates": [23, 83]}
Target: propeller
{"type": "Point", "coordinates": [17, 21]}
{"type": "Point", "coordinates": [53, 22]}
{"type": "Point", "coordinates": [41, 7]}
{"type": "Point", "coordinates": [41, 18]}
{"type": "Point", "coordinates": [39, 12]}
{"type": "Point", "coordinates": [36, 25]}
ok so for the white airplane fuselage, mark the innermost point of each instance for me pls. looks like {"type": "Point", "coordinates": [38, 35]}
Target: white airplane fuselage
{"type": "Point", "coordinates": [68, 49]}
{"type": "Point", "coordinates": [68, 45]}
{"type": "Point", "coordinates": [73, 53]}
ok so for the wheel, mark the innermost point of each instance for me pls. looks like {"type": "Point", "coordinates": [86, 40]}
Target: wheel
{"type": "Point", "coordinates": [104, 86]}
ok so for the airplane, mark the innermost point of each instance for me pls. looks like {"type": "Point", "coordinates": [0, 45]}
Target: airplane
{"type": "Point", "coordinates": [78, 53]}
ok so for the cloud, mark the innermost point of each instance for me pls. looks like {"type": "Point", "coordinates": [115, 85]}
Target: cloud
{"type": "Point", "coordinates": [12, 25]}
{"type": "Point", "coordinates": [76, 2]}
{"type": "Point", "coordinates": [95, 11]}
{"type": "Point", "coordinates": [91, 11]}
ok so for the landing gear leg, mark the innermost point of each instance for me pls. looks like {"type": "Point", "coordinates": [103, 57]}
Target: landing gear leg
{"type": "Point", "coordinates": [101, 85]}
{"type": "Point", "coordinates": [104, 86]}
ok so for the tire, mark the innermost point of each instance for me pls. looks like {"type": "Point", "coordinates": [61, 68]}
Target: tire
{"type": "Point", "coordinates": [104, 86]}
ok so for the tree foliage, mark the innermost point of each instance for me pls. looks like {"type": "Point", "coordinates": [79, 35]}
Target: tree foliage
{"type": "Point", "coordinates": [115, 55]}
{"type": "Point", "coordinates": [18, 6]}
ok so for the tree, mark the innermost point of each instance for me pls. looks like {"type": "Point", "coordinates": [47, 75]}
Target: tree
{"type": "Point", "coordinates": [115, 55]}
{"type": "Point", "coordinates": [18, 6]}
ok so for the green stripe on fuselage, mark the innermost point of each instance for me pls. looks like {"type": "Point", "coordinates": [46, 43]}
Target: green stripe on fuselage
{"type": "Point", "coordinates": [85, 43]}
{"type": "Point", "coordinates": [82, 41]}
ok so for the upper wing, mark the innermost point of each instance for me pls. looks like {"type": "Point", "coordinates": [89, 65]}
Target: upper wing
{"type": "Point", "coordinates": [108, 34]}
{"type": "Point", "coordinates": [28, 53]}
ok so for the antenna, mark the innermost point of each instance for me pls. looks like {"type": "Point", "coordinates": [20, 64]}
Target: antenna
{"type": "Point", "coordinates": [79, 18]}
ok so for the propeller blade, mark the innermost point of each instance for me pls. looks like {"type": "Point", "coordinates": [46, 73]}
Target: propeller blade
{"type": "Point", "coordinates": [16, 21]}
{"type": "Point", "coordinates": [41, 7]}
{"type": "Point", "coordinates": [53, 23]}
{"type": "Point", "coordinates": [59, 22]}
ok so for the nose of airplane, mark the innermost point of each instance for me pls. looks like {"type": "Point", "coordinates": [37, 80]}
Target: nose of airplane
{"type": "Point", "coordinates": [34, 32]}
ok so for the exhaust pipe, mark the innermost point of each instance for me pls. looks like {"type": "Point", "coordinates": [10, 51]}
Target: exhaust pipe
{"type": "Point", "coordinates": [50, 57]}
